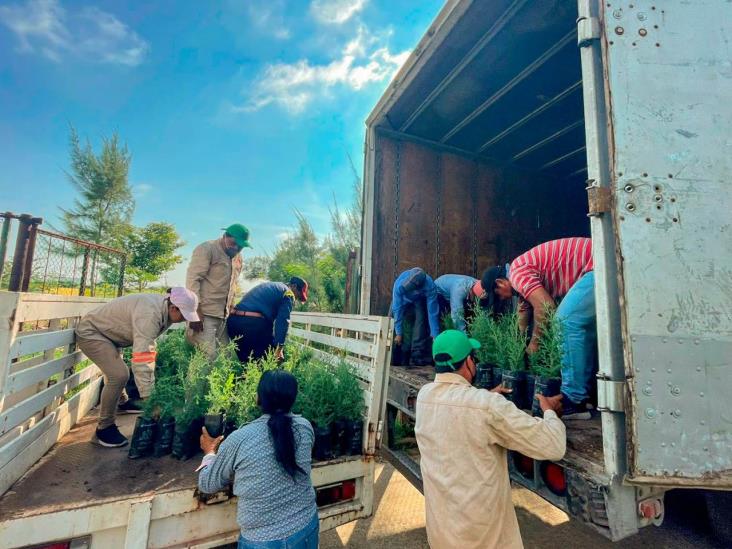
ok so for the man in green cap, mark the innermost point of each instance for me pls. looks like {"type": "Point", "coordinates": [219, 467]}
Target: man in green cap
{"type": "Point", "coordinates": [464, 434]}
{"type": "Point", "coordinates": [212, 275]}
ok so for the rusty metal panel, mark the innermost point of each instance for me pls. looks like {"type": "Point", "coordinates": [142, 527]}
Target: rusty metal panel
{"type": "Point", "coordinates": [455, 220]}
{"type": "Point", "coordinates": [670, 86]}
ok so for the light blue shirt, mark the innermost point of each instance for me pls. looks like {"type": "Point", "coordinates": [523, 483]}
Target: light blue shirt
{"type": "Point", "coordinates": [400, 298]}
{"type": "Point", "coordinates": [456, 289]}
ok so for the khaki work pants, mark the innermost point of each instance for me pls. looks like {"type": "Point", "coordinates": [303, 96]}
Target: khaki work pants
{"type": "Point", "coordinates": [107, 357]}
{"type": "Point", "coordinates": [213, 336]}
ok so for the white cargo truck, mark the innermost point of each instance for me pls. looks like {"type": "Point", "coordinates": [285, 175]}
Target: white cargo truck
{"type": "Point", "coordinates": [58, 490]}
{"type": "Point", "coordinates": [515, 122]}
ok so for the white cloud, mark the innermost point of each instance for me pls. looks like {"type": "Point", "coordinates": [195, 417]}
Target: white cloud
{"type": "Point", "coordinates": [293, 86]}
{"type": "Point", "coordinates": [46, 28]}
{"type": "Point", "coordinates": [269, 16]}
{"type": "Point", "coordinates": [141, 189]}
{"type": "Point", "coordinates": [335, 12]}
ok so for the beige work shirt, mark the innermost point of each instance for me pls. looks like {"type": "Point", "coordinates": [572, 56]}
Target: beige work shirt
{"type": "Point", "coordinates": [463, 435]}
{"type": "Point", "coordinates": [212, 276]}
{"type": "Point", "coordinates": [134, 320]}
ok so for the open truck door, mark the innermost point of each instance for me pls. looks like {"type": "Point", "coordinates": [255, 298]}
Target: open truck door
{"type": "Point", "coordinates": [657, 114]}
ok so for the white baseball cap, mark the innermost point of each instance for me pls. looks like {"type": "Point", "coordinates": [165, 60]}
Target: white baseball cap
{"type": "Point", "coordinates": [186, 301]}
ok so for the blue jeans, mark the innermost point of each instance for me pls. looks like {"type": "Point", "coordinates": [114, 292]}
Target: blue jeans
{"type": "Point", "coordinates": [307, 538]}
{"type": "Point", "coordinates": [576, 313]}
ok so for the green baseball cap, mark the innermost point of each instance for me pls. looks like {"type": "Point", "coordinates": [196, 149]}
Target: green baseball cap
{"type": "Point", "coordinates": [240, 234]}
{"type": "Point", "coordinates": [451, 347]}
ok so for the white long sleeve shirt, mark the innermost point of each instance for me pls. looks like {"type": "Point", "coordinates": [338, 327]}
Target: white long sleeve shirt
{"type": "Point", "coordinates": [463, 435]}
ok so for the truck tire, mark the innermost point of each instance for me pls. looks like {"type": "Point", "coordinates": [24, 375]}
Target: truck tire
{"type": "Point", "coordinates": [719, 511]}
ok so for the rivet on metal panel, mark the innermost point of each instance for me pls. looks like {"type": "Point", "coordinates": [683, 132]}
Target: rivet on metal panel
{"type": "Point", "coordinates": [669, 384]}
{"type": "Point", "coordinates": [617, 14]}
{"type": "Point", "coordinates": [698, 368]}
{"type": "Point", "coordinates": [668, 370]}
{"type": "Point", "coordinates": [706, 449]}
{"type": "Point", "coordinates": [702, 422]}
{"type": "Point", "coordinates": [696, 342]}
{"type": "Point", "coordinates": [665, 340]}
{"type": "Point", "coordinates": [681, 341]}
{"type": "Point", "coordinates": [641, 16]}
{"type": "Point", "coordinates": [650, 413]}
{"type": "Point", "coordinates": [642, 32]}
{"type": "Point", "coordinates": [634, 339]}
{"type": "Point", "coordinates": [663, 445]}
{"type": "Point", "coordinates": [676, 413]}
{"type": "Point", "coordinates": [673, 445]}
{"type": "Point", "coordinates": [647, 391]}
{"type": "Point", "coordinates": [658, 198]}
{"type": "Point", "coordinates": [653, 369]}
{"type": "Point", "coordinates": [630, 207]}
{"type": "Point", "coordinates": [629, 188]}
{"type": "Point", "coordinates": [701, 395]}
{"type": "Point", "coordinates": [676, 391]}
{"type": "Point", "coordinates": [619, 30]}
{"type": "Point", "coordinates": [648, 382]}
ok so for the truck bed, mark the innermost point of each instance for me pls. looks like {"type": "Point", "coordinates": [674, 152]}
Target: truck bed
{"type": "Point", "coordinates": [584, 438]}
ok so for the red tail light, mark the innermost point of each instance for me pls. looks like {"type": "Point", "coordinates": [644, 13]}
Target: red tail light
{"type": "Point", "coordinates": [335, 493]}
{"type": "Point", "coordinates": [524, 465]}
{"type": "Point", "coordinates": [553, 476]}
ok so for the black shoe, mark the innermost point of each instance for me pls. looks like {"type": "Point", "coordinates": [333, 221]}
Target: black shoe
{"type": "Point", "coordinates": [109, 437]}
{"type": "Point", "coordinates": [573, 411]}
{"type": "Point", "coordinates": [129, 407]}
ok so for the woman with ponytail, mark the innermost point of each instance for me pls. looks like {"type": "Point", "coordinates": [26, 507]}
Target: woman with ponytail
{"type": "Point", "coordinates": [268, 463]}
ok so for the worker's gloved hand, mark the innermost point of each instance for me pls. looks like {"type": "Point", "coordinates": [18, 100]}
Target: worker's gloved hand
{"type": "Point", "coordinates": [209, 444]}
{"type": "Point", "coordinates": [550, 403]}
{"type": "Point", "coordinates": [501, 390]}
{"type": "Point", "coordinates": [397, 340]}
{"type": "Point", "coordinates": [196, 326]}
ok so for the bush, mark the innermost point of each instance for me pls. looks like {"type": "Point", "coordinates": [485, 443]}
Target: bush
{"type": "Point", "coordinates": [173, 351]}
{"type": "Point", "coordinates": [511, 343]}
{"type": "Point", "coordinates": [486, 330]}
{"type": "Point", "coordinates": [221, 389]}
{"type": "Point", "coordinates": [547, 360]}
{"type": "Point", "coordinates": [349, 404]}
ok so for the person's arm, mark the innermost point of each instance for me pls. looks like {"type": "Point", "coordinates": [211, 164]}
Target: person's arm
{"type": "Point", "coordinates": [217, 468]}
{"type": "Point", "coordinates": [534, 437]}
{"type": "Point", "coordinates": [457, 305]}
{"type": "Point", "coordinates": [282, 321]}
{"type": "Point", "coordinates": [397, 310]}
{"type": "Point", "coordinates": [433, 307]}
{"type": "Point", "coordinates": [524, 314]}
{"type": "Point", "coordinates": [540, 302]}
{"type": "Point", "coordinates": [197, 270]}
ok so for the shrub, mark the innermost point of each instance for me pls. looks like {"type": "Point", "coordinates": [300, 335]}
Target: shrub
{"type": "Point", "coordinates": [194, 383]}
{"type": "Point", "coordinates": [511, 343]}
{"type": "Point", "coordinates": [349, 404]}
{"type": "Point", "coordinates": [446, 322]}
{"type": "Point", "coordinates": [547, 360]}
{"type": "Point", "coordinates": [173, 352]}
{"type": "Point", "coordinates": [486, 330]}
{"type": "Point", "coordinates": [220, 395]}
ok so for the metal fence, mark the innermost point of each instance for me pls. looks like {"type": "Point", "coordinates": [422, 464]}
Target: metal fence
{"type": "Point", "coordinates": [52, 263]}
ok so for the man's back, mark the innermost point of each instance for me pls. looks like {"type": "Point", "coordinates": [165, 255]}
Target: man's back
{"type": "Point", "coordinates": [463, 434]}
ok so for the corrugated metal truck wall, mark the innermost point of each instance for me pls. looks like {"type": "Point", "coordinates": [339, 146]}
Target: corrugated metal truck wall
{"type": "Point", "coordinates": [449, 213]}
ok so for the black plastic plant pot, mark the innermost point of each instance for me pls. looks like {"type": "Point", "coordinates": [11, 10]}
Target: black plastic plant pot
{"type": "Point", "coordinates": [547, 386]}
{"type": "Point", "coordinates": [215, 424]}
{"type": "Point", "coordinates": [164, 438]}
{"type": "Point", "coordinates": [497, 376]}
{"type": "Point", "coordinates": [516, 381]}
{"type": "Point", "coordinates": [186, 440]}
{"type": "Point", "coordinates": [143, 438]}
{"type": "Point", "coordinates": [354, 437]}
{"type": "Point", "coordinates": [529, 391]}
{"type": "Point", "coordinates": [322, 450]}
{"type": "Point", "coordinates": [484, 376]}
{"type": "Point", "coordinates": [338, 437]}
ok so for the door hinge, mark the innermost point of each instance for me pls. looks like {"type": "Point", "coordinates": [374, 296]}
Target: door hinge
{"type": "Point", "coordinates": [610, 395]}
{"type": "Point", "coordinates": [599, 199]}
{"type": "Point", "coordinates": [588, 30]}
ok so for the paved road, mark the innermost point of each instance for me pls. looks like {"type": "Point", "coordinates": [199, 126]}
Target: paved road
{"type": "Point", "coordinates": [398, 523]}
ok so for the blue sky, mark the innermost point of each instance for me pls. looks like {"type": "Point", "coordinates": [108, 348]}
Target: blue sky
{"type": "Point", "coordinates": [234, 111]}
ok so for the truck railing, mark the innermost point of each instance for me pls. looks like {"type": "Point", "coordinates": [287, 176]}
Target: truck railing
{"type": "Point", "coordinates": [46, 385]}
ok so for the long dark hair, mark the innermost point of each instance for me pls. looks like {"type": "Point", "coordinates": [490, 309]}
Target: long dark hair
{"type": "Point", "coordinates": [277, 391]}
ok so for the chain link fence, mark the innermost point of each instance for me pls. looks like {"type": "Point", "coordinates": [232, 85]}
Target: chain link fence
{"type": "Point", "coordinates": [52, 263]}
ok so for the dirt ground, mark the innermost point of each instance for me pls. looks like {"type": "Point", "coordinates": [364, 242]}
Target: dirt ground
{"type": "Point", "coordinates": [398, 523]}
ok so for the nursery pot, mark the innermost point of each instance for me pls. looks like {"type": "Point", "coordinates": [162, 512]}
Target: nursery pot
{"type": "Point", "coordinates": [338, 437]}
{"type": "Point", "coordinates": [547, 386]}
{"type": "Point", "coordinates": [484, 376]}
{"type": "Point", "coordinates": [529, 391]}
{"type": "Point", "coordinates": [354, 437]}
{"type": "Point", "coordinates": [322, 450]}
{"type": "Point", "coordinates": [143, 438]}
{"type": "Point", "coordinates": [164, 439]}
{"type": "Point", "coordinates": [516, 381]}
{"type": "Point", "coordinates": [497, 376]}
{"type": "Point", "coordinates": [186, 439]}
{"type": "Point", "coordinates": [214, 424]}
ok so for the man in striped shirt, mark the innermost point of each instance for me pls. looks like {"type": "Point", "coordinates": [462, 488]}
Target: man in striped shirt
{"type": "Point", "coordinates": [557, 271]}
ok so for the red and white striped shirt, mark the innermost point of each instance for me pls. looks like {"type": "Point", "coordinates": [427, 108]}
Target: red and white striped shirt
{"type": "Point", "coordinates": [555, 265]}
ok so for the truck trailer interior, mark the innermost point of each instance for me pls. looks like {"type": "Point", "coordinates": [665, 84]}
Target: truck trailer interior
{"type": "Point", "coordinates": [480, 155]}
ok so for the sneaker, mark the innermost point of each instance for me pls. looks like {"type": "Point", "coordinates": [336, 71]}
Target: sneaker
{"type": "Point", "coordinates": [129, 407]}
{"type": "Point", "coordinates": [573, 411]}
{"type": "Point", "coordinates": [109, 437]}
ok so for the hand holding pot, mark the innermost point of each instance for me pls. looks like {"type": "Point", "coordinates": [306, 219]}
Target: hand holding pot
{"type": "Point", "coordinates": [397, 340]}
{"type": "Point", "coordinates": [550, 403]}
{"type": "Point", "coordinates": [196, 326]}
{"type": "Point", "coordinates": [209, 444]}
{"type": "Point", "coordinates": [501, 390]}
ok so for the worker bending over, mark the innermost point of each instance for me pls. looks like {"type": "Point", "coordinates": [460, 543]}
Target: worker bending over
{"type": "Point", "coordinates": [265, 308]}
{"type": "Point", "coordinates": [459, 291]}
{"type": "Point", "coordinates": [464, 434]}
{"type": "Point", "coordinates": [135, 320]}
{"type": "Point", "coordinates": [212, 275]}
{"type": "Point", "coordinates": [415, 293]}
{"type": "Point", "coordinates": [557, 270]}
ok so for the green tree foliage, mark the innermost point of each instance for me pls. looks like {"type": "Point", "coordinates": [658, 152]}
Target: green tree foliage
{"type": "Point", "coordinates": [105, 204]}
{"type": "Point", "coordinates": [151, 252]}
